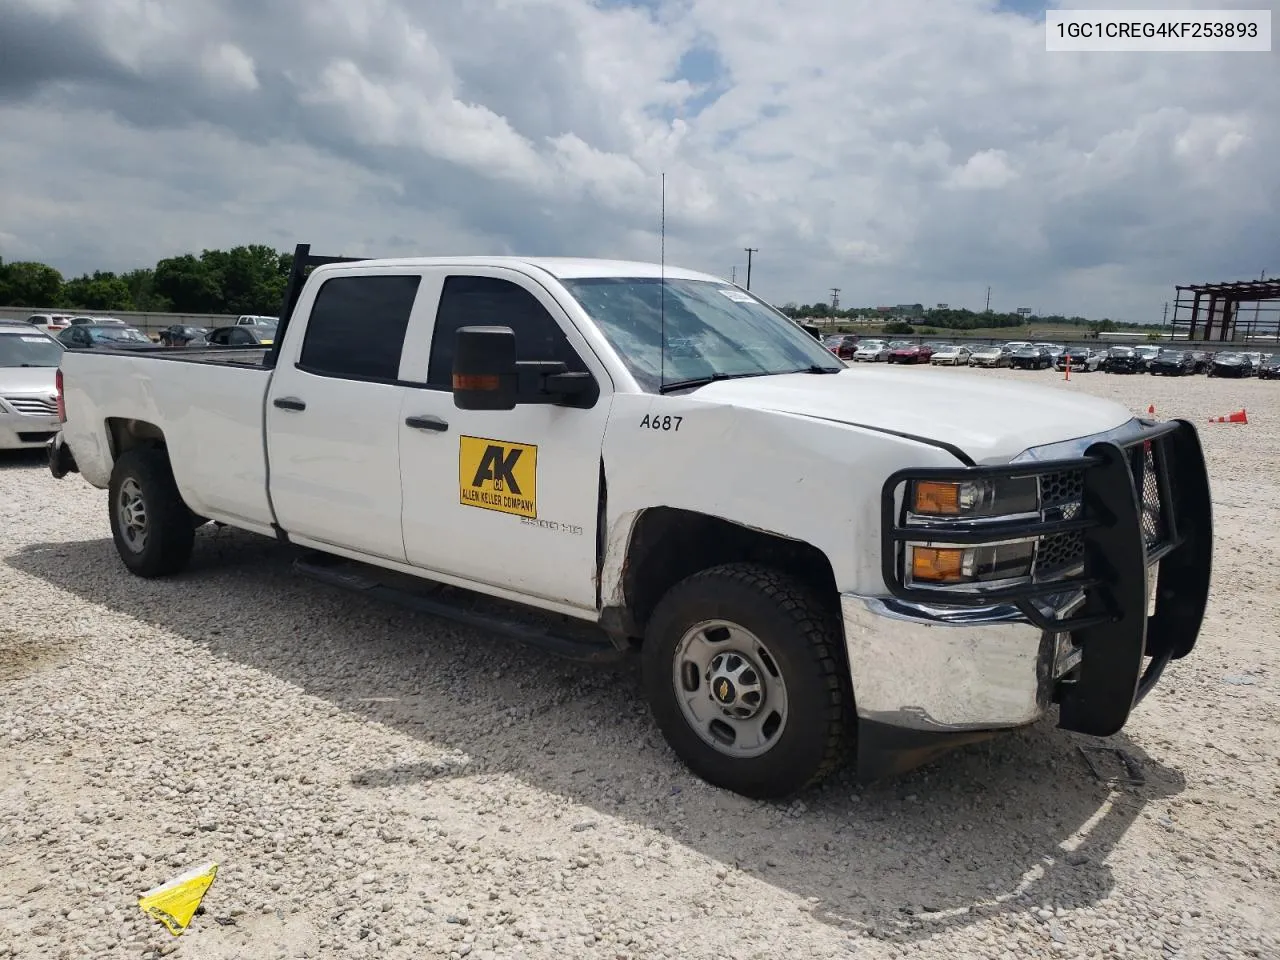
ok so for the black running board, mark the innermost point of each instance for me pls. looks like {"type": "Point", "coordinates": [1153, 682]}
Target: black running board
{"type": "Point", "coordinates": [563, 636]}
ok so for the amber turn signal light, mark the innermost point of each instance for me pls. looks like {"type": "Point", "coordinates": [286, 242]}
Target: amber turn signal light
{"type": "Point", "coordinates": [475, 382]}
{"type": "Point", "coordinates": [934, 497]}
{"type": "Point", "coordinates": [937, 565]}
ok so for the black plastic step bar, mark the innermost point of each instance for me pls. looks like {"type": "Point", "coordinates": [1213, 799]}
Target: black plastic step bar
{"type": "Point", "coordinates": [581, 642]}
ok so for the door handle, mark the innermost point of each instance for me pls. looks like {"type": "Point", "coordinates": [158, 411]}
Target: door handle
{"type": "Point", "coordinates": [289, 403]}
{"type": "Point", "coordinates": [426, 423]}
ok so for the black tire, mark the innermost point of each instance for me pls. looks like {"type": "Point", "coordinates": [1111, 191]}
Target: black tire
{"type": "Point", "coordinates": [170, 526]}
{"type": "Point", "coordinates": [803, 640]}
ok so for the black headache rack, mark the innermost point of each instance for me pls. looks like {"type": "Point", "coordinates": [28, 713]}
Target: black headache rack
{"type": "Point", "coordinates": [1117, 511]}
{"type": "Point", "coordinates": [303, 261]}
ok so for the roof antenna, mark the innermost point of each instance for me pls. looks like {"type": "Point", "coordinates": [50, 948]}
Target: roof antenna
{"type": "Point", "coordinates": [662, 291]}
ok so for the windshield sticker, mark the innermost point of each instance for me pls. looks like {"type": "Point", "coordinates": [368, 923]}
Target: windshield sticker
{"type": "Point", "coordinates": [498, 475]}
{"type": "Point", "coordinates": [737, 296]}
{"type": "Point", "coordinates": [26, 339]}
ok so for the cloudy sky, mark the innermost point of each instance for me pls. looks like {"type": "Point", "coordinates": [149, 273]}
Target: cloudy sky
{"type": "Point", "coordinates": [904, 151]}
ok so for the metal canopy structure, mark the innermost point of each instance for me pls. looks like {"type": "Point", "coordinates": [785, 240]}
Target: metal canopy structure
{"type": "Point", "coordinates": [1213, 311]}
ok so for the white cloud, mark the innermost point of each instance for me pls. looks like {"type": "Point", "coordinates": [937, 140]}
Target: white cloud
{"type": "Point", "coordinates": [985, 170]}
{"type": "Point", "coordinates": [904, 152]}
{"type": "Point", "coordinates": [226, 65]}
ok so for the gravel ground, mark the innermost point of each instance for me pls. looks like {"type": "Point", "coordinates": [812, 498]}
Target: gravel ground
{"type": "Point", "coordinates": [376, 783]}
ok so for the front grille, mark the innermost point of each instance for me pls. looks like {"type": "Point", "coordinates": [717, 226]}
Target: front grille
{"type": "Point", "coordinates": [1059, 553]}
{"type": "Point", "coordinates": [33, 406]}
{"type": "Point", "coordinates": [1061, 488]}
{"type": "Point", "coordinates": [1144, 464]}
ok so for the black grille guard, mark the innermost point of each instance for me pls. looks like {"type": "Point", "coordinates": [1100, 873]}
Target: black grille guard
{"type": "Point", "coordinates": [1122, 540]}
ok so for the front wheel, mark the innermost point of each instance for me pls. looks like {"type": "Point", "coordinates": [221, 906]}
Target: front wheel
{"type": "Point", "coordinates": [743, 672]}
{"type": "Point", "coordinates": [153, 529]}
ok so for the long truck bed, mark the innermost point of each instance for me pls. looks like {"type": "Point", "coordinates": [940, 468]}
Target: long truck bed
{"type": "Point", "coordinates": [210, 410]}
{"type": "Point", "coordinates": [235, 356]}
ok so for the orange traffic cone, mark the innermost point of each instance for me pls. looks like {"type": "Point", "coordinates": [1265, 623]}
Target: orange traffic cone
{"type": "Point", "coordinates": [1240, 416]}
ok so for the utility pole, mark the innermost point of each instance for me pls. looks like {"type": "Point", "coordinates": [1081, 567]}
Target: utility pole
{"type": "Point", "coordinates": [1258, 303]}
{"type": "Point", "coordinates": [1165, 319]}
{"type": "Point", "coordinates": [733, 278]}
{"type": "Point", "coordinates": [750, 251]}
{"type": "Point", "coordinates": [988, 309]}
{"type": "Point", "coordinates": [835, 299]}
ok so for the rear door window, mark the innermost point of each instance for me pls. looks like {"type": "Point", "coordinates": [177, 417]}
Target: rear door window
{"type": "Point", "coordinates": [357, 327]}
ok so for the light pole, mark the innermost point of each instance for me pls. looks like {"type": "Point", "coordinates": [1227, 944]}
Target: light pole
{"type": "Point", "coordinates": [750, 251]}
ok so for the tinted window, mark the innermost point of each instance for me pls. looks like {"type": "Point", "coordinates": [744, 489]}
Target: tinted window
{"type": "Point", "coordinates": [489, 301]}
{"type": "Point", "coordinates": [357, 327]}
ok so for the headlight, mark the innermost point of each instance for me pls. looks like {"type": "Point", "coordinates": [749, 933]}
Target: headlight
{"type": "Point", "coordinates": [975, 499]}
{"type": "Point", "coordinates": [982, 564]}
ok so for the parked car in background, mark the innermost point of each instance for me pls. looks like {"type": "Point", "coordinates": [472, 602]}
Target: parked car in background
{"type": "Point", "coordinates": [87, 336]}
{"type": "Point", "coordinates": [1172, 363]}
{"type": "Point", "coordinates": [28, 386]}
{"type": "Point", "coordinates": [871, 351]}
{"type": "Point", "coordinates": [256, 320]}
{"type": "Point", "coordinates": [1013, 345]}
{"type": "Point", "coordinates": [1121, 360]}
{"type": "Point", "coordinates": [80, 321]}
{"type": "Point", "coordinates": [843, 345]}
{"type": "Point", "coordinates": [1055, 349]}
{"type": "Point", "coordinates": [180, 334]}
{"type": "Point", "coordinates": [53, 323]}
{"type": "Point", "coordinates": [951, 354]}
{"type": "Point", "coordinates": [1270, 368]}
{"type": "Point", "coordinates": [911, 353]}
{"type": "Point", "coordinates": [993, 355]}
{"type": "Point", "coordinates": [244, 335]}
{"type": "Point", "coordinates": [1202, 359]}
{"type": "Point", "coordinates": [1146, 353]}
{"type": "Point", "coordinates": [1082, 359]}
{"type": "Point", "coordinates": [1232, 365]}
{"type": "Point", "coordinates": [1031, 357]}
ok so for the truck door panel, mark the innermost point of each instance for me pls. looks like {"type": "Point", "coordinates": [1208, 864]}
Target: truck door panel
{"type": "Point", "coordinates": [507, 498]}
{"type": "Point", "coordinates": [333, 415]}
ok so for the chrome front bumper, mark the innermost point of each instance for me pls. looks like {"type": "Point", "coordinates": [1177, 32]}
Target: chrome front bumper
{"type": "Point", "coordinates": [928, 679]}
{"type": "Point", "coordinates": [946, 670]}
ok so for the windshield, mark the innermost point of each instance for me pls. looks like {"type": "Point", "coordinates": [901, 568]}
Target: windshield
{"type": "Point", "coordinates": [29, 350]}
{"type": "Point", "coordinates": [116, 334]}
{"type": "Point", "coordinates": [712, 330]}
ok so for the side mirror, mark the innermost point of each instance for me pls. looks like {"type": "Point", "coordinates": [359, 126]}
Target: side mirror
{"type": "Point", "coordinates": [487, 376]}
{"type": "Point", "coordinates": [484, 369]}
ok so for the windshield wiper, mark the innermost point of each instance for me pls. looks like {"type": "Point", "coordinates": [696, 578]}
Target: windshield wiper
{"type": "Point", "coordinates": [703, 381]}
{"type": "Point", "coordinates": [814, 368]}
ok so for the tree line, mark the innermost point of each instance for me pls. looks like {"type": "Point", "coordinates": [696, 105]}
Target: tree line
{"type": "Point", "coordinates": [910, 319]}
{"type": "Point", "coordinates": [245, 279]}
{"type": "Point", "coordinates": [252, 279]}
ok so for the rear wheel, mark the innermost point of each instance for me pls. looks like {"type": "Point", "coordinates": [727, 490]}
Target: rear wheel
{"type": "Point", "coordinates": [154, 532]}
{"type": "Point", "coordinates": [743, 672]}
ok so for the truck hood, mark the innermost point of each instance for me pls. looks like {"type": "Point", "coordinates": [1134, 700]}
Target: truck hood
{"type": "Point", "coordinates": [24, 380]}
{"type": "Point", "coordinates": [990, 420]}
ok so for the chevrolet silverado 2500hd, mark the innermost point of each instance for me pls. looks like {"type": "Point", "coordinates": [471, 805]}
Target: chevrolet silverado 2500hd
{"type": "Point", "coordinates": [806, 556]}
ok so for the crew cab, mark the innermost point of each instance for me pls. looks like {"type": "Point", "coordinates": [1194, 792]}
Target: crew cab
{"type": "Point", "coordinates": [614, 459]}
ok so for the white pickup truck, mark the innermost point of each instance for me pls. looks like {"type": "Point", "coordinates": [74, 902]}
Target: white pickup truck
{"type": "Point", "coordinates": [809, 558]}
